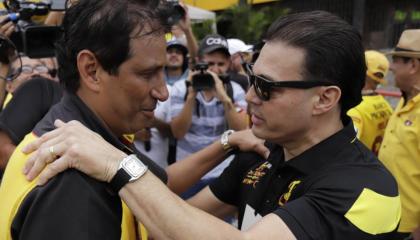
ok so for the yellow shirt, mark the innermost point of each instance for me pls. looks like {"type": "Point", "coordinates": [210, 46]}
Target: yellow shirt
{"type": "Point", "coordinates": [370, 118]}
{"type": "Point", "coordinates": [400, 153]}
{"type": "Point", "coordinates": [7, 99]}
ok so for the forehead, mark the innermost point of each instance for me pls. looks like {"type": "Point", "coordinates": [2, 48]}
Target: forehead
{"type": "Point", "coordinates": [148, 51]}
{"type": "Point", "coordinates": [27, 61]}
{"type": "Point", "coordinates": [216, 56]}
{"type": "Point", "coordinates": [280, 61]}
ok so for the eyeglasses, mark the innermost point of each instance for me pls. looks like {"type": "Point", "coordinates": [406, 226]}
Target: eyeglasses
{"type": "Point", "coordinates": [263, 86]}
{"type": "Point", "coordinates": [39, 68]}
{"type": "Point", "coordinates": [26, 69]}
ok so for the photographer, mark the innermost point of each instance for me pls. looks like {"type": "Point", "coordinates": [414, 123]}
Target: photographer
{"type": "Point", "coordinates": [30, 93]}
{"type": "Point", "coordinates": [5, 31]}
{"type": "Point", "coordinates": [199, 117]}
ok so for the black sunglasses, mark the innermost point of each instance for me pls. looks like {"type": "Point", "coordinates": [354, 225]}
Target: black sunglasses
{"type": "Point", "coordinates": [263, 86]}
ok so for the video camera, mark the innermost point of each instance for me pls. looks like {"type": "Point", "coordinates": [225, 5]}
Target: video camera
{"type": "Point", "coordinates": [35, 41]}
{"type": "Point", "coordinates": [176, 12]}
{"type": "Point", "coordinates": [203, 80]}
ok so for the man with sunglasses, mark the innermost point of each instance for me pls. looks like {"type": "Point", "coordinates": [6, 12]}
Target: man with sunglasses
{"type": "Point", "coordinates": [319, 181]}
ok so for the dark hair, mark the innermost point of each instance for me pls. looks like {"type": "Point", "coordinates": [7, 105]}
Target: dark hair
{"type": "Point", "coordinates": [333, 51]}
{"type": "Point", "coordinates": [105, 27]}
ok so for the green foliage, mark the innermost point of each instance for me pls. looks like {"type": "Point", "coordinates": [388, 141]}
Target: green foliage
{"type": "Point", "coordinates": [201, 29]}
{"type": "Point", "coordinates": [246, 23]}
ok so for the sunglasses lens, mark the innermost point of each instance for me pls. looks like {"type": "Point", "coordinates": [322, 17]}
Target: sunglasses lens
{"type": "Point", "coordinates": [261, 89]}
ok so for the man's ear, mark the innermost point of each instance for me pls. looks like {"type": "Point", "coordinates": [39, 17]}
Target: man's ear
{"type": "Point", "coordinates": [88, 66]}
{"type": "Point", "coordinates": [415, 66]}
{"type": "Point", "coordinates": [327, 98]}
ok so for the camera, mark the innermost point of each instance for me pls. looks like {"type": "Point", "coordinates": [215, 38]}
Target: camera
{"type": "Point", "coordinates": [176, 12]}
{"type": "Point", "coordinates": [203, 80]}
{"type": "Point", "coordinates": [35, 41]}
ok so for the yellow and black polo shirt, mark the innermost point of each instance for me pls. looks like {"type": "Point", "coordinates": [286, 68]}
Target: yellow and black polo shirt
{"type": "Point", "coordinates": [71, 205]}
{"type": "Point", "coordinates": [335, 190]}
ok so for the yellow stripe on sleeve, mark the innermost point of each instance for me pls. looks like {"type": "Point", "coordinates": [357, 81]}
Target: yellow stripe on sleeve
{"type": "Point", "coordinates": [374, 213]}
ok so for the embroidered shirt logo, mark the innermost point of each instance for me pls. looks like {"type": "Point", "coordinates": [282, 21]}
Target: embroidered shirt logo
{"type": "Point", "coordinates": [253, 176]}
{"type": "Point", "coordinates": [284, 198]}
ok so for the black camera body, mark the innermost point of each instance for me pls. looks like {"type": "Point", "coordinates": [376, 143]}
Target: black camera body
{"type": "Point", "coordinates": [176, 12]}
{"type": "Point", "coordinates": [35, 41]}
{"type": "Point", "coordinates": [203, 80]}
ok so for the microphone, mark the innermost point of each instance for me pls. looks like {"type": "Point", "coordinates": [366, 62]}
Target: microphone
{"type": "Point", "coordinates": [10, 17]}
{"type": "Point", "coordinates": [147, 145]}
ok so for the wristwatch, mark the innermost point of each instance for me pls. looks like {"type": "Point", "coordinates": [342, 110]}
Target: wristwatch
{"type": "Point", "coordinates": [224, 140]}
{"type": "Point", "coordinates": [130, 169]}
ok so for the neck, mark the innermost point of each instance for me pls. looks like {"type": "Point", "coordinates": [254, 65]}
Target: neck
{"type": "Point", "coordinates": [174, 72]}
{"type": "Point", "coordinates": [315, 135]}
{"type": "Point", "coordinates": [93, 104]}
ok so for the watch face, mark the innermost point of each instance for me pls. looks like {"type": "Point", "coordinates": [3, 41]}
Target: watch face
{"type": "Point", "coordinates": [133, 166]}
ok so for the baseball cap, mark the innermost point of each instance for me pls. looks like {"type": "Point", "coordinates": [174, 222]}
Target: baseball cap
{"type": "Point", "coordinates": [377, 64]}
{"type": "Point", "coordinates": [237, 45]}
{"type": "Point", "coordinates": [408, 44]}
{"type": "Point", "coordinates": [177, 44]}
{"type": "Point", "coordinates": [212, 43]}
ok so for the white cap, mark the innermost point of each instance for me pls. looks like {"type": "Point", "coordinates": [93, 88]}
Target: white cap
{"type": "Point", "coordinates": [237, 45]}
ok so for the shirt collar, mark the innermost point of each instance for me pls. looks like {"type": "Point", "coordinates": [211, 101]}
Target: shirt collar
{"type": "Point", "coordinates": [323, 153]}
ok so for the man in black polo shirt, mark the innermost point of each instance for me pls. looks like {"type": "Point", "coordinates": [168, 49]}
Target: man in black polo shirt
{"type": "Point", "coordinates": [319, 181]}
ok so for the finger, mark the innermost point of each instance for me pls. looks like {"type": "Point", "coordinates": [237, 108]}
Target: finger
{"type": "Point", "coordinates": [34, 145]}
{"type": "Point", "coordinates": [5, 27]}
{"type": "Point", "coordinates": [58, 123]}
{"type": "Point", "coordinates": [53, 169]}
{"type": "Point", "coordinates": [9, 31]}
{"type": "Point", "coordinates": [42, 158]}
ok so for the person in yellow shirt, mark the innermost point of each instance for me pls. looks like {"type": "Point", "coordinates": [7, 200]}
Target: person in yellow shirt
{"type": "Point", "coordinates": [371, 115]}
{"type": "Point", "coordinates": [400, 150]}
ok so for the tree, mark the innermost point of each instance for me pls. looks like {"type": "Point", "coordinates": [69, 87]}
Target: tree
{"type": "Point", "coordinates": [248, 24]}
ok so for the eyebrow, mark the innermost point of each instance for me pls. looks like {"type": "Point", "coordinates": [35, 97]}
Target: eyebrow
{"type": "Point", "coordinates": [265, 77]}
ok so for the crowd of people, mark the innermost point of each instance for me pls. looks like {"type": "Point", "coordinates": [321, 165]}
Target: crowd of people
{"type": "Point", "coordinates": [137, 130]}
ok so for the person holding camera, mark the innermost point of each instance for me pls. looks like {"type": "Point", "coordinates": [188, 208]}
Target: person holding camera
{"type": "Point", "coordinates": [205, 106]}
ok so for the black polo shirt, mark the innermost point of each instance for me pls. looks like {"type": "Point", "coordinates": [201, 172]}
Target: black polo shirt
{"type": "Point", "coordinates": [29, 104]}
{"type": "Point", "coordinates": [335, 190]}
{"type": "Point", "coordinates": [73, 205]}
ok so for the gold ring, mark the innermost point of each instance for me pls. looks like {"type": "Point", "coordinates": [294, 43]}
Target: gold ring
{"type": "Point", "coordinates": [51, 150]}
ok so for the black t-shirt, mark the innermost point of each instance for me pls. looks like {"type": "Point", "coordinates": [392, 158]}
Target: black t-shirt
{"type": "Point", "coordinates": [335, 190]}
{"type": "Point", "coordinates": [29, 104]}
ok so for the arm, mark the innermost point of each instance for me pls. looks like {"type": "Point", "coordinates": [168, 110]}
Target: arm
{"type": "Point", "coordinates": [185, 25]}
{"type": "Point", "coordinates": [141, 196]}
{"type": "Point", "coordinates": [149, 199]}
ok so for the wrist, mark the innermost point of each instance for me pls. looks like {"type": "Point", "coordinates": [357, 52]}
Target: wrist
{"type": "Point", "coordinates": [130, 169]}
{"type": "Point", "coordinates": [224, 140]}
{"type": "Point", "coordinates": [114, 164]}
